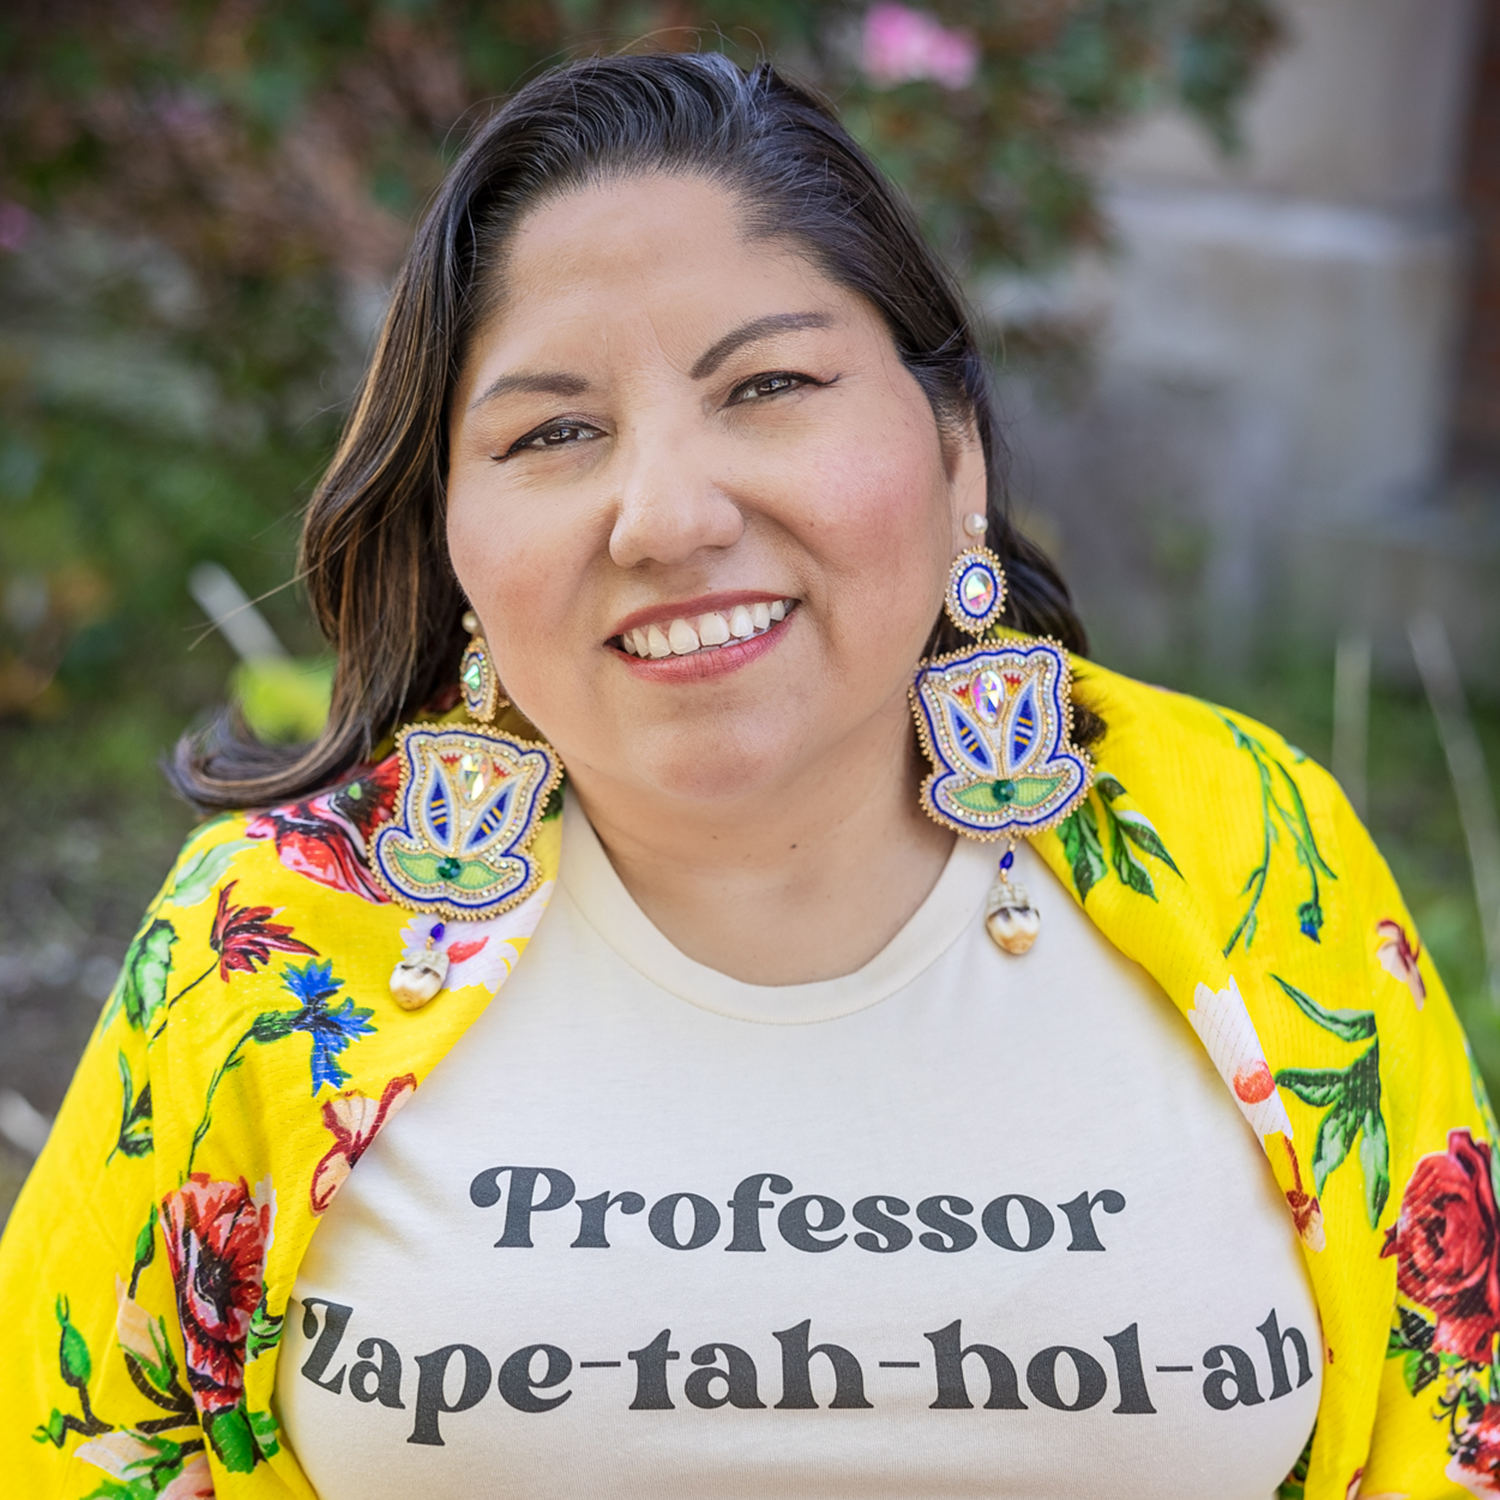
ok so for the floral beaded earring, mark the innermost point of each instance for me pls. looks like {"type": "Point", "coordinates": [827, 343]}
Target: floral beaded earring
{"type": "Point", "coordinates": [470, 802]}
{"type": "Point", "coordinates": [995, 721]}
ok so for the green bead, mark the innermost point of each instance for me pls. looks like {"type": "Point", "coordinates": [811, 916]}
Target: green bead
{"type": "Point", "coordinates": [1005, 791]}
{"type": "Point", "coordinates": [449, 869]}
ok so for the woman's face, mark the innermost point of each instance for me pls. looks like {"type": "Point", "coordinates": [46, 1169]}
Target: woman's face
{"type": "Point", "coordinates": [701, 508]}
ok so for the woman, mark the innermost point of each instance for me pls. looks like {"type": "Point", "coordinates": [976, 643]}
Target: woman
{"type": "Point", "coordinates": [804, 1152]}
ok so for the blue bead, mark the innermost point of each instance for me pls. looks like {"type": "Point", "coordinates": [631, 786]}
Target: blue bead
{"type": "Point", "coordinates": [438, 929]}
{"type": "Point", "coordinates": [1007, 859]}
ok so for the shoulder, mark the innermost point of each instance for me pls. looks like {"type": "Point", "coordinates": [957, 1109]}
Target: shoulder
{"type": "Point", "coordinates": [1186, 747]}
{"type": "Point", "coordinates": [1262, 836]}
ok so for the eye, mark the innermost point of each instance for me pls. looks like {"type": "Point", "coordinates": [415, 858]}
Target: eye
{"type": "Point", "coordinates": [553, 435]}
{"type": "Point", "coordinates": [774, 384]}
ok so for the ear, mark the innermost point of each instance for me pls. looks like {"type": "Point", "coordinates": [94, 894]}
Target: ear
{"type": "Point", "coordinates": [968, 482]}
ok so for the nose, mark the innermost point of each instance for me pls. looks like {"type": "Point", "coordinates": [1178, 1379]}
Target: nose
{"type": "Point", "coordinates": [668, 505]}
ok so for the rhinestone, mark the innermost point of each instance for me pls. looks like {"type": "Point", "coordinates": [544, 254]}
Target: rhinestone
{"type": "Point", "coordinates": [977, 590]}
{"type": "Point", "coordinates": [473, 772]}
{"type": "Point", "coordinates": [449, 869]}
{"type": "Point", "coordinates": [989, 694]}
{"type": "Point", "coordinates": [473, 677]}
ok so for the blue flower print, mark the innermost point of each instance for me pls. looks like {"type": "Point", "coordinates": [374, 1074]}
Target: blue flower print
{"type": "Point", "coordinates": [331, 1030]}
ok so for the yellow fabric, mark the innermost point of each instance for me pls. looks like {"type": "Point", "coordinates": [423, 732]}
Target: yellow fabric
{"type": "Point", "coordinates": [149, 1260]}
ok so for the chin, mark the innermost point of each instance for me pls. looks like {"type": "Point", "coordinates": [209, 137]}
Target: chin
{"type": "Point", "coordinates": [715, 766]}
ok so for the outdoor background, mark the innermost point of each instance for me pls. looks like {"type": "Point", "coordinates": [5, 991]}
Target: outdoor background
{"type": "Point", "coordinates": [1239, 262]}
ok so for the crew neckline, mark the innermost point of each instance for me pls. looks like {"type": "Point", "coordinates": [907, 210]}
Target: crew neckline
{"type": "Point", "coordinates": [591, 883]}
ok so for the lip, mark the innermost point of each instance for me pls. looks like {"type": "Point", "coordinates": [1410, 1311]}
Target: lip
{"type": "Point", "coordinates": [705, 666]}
{"type": "Point", "coordinates": [661, 614]}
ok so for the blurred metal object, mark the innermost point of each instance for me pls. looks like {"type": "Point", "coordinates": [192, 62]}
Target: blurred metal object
{"type": "Point", "coordinates": [1351, 717]}
{"type": "Point", "coordinates": [22, 1124]}
{"type": "Point", "coordinates": [1471, 783]}
{"type": "Point", "coordinates": [233, 612]}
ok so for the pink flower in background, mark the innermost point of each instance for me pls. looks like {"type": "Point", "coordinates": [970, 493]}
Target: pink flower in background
{"type": "Point", "coordinates": [15, 226]}
{"type": "Point", "coordinates": [901, 44]}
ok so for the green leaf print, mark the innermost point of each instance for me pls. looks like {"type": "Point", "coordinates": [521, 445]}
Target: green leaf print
{"type": "Point", "coordinates": [1351, 1096]}
{"type": "Point", "coordinates": [1347, 1025]}
{"type": "Point", "coordinates": [242, 1438]}
{"type": "Point", "coordinates": [1280, 802]}
{"type": "Point", "coordinates": [1085, 849]}
{"type": "Point", "coordinates": [198, 877]}
{"type": "Point", "coordinates": [1139, 831]}
{"type": "Point", "coordinates": [135, 1138]}
{"type": "Point", "coordinates": [145, 1249]}
{"type": "Point", "coordinates": [1335, 1136]}
{"type": "Point", "coordinates": [265, 1332]}
{"type": "Point", "coordinates": [1374, 1160]}
{"type": "Point", "coordinates": [1316, 1086]}
{"type": "Point", "coordinates": [1079, 832]}
{"type": "Point", "coordinates": [76, 1366]}
{"type": "Point", "coordinates": [143, 981]}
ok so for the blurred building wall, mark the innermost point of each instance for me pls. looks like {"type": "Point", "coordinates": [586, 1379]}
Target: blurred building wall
{"type": "Point", "coordinates": [1263, 444]}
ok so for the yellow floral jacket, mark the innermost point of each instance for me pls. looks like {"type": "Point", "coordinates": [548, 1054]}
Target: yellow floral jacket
{"type": "Point", "coordinates": [252, 1051]}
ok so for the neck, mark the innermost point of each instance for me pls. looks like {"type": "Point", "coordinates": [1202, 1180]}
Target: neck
{"type": "Point", "coordinates": [832, 864]}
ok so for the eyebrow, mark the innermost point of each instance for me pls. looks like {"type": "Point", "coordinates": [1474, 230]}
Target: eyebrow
{"type": "Point", "coordinates": [532, 382]}
{"type": "Point", "coordinates": [749, 333]}
{"type": "Point", "coordinates": [559, 383]}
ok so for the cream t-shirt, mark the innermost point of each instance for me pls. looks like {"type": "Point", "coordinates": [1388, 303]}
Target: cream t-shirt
{"type": "Point", "coordinates": [958, 1224]}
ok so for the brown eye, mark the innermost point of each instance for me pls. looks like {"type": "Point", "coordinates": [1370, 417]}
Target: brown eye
{"type": "Point", "coordinates": [769, 385]}
{"type": "Point", "coordinates": [555, 435]}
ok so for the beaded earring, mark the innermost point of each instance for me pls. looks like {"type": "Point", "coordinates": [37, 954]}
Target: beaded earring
{"type": "Point", "coordinates": [469, 804]}
{"type": "Point", "coordinates": [995, 721]}
{"type": "Point", "coordinates": [477, 676]}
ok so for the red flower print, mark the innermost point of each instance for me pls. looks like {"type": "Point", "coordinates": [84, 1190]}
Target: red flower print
{"type": "Point", "coordinates": [367, 801]}
{"type": "Point", "coordinates": [244, 936]}
{"type": "Point", "coordinates": [324, 837]}
{"type": "Point", "coordinates": [355, 1120]}
{"type": "Point", "coordinates": [1447, 1246]}
{"type": "Point", "coordinates": [217, 1234]}
{"type": "Point", "coordinates": [1476, 1454]}
{"type": "Point", "coordinates": [1398, 956]}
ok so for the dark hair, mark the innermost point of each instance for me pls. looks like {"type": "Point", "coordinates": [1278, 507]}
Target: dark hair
{"type": "Point", "coordinates": [374, 553]}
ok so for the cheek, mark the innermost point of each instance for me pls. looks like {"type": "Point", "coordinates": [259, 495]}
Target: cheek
{"type": "Point", "coordinates": [510, 565]}
{"type": "Point", "coordinates": [877, 513]}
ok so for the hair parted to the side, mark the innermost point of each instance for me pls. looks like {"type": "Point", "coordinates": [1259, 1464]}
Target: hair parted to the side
{"type": "Point", "coordinates": [374, 552]}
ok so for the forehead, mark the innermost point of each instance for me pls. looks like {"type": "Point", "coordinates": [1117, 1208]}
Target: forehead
{"type": "Point", "coordinates": [662, 257]}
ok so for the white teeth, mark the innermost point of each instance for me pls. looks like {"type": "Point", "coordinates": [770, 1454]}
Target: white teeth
{"type": "Point", "coordinates": [682, 638]}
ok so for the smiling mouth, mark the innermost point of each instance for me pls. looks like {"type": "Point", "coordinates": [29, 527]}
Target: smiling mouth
{"type": "Point", "coordinates": [688, 635]}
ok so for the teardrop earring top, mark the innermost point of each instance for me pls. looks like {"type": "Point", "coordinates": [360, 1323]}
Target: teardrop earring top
{"type": "Point", "coordinates": [976, 590]}
{"type": "Point", "coordinates": [477, 677]}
